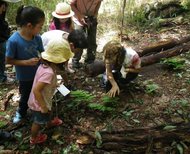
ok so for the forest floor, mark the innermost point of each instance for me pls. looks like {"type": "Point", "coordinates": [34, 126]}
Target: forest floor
{"type": "Point", "coordinates": [158, 97]}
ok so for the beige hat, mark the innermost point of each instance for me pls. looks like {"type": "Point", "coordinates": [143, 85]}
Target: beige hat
{"type": "Point", "coordinates": [62, 10]}
{"type": "Point", "coordinates": [57, 51]}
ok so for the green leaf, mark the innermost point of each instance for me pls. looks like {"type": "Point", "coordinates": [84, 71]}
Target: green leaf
{"type": "Point", "coordinates": [180, 148]}
{"type": "Point", "coordinates": [98, 139]}
{"type": "Point", "coordinates": [136, 121]}
{"type": "Point", "coordinates": [169, 127]}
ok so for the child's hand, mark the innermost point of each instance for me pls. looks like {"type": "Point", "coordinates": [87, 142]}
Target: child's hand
{"type": "Point", "coordinates": [33, 61]}
{"type": "Point", "coordinates": [113, 91]}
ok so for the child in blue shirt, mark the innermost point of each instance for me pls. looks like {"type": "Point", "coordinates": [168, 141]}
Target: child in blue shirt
{"type": "Point", "coordinates": [23, 49]}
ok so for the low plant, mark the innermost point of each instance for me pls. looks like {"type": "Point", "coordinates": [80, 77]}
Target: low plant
{"type": "Point", "coordinates": [80, 97]}
{"type": "Point", "coordinates": [150, 87]}
{"type": "Point", "coordinates": [174, 63]}
{"type": "Point", "coordinates": [108, 104]}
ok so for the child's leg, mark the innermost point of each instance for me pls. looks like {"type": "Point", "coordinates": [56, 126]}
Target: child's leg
{"type": "Point", "coordinates": [35, 130]}
{"type": "Point", "coordinates": [39, 119]}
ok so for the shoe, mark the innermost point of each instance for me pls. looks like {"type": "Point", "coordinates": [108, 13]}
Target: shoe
{"type": "Point", "coordinates": [5, 136]}
{"type": "Point", "coordinates": [38, 139]}
{"type": "Point", "coordinates": [17, 118]}
{"type": "Point", "coordinates": [56, 121]}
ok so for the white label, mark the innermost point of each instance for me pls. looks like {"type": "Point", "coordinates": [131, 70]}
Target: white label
{"type": "Point", "coordinates": [63, 90]}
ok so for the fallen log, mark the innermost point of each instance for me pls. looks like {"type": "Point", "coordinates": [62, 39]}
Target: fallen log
{"type": "Point", "coordinates": [162, 45]}
{"type": "Point", "coordinates": [144, 140]}
{"type": "Point", "coordinates": [171, 21]}
{"type": "Point", "coordinates": [154, 58]}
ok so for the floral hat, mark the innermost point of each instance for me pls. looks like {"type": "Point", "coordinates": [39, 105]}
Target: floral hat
{"type": "Point", "coordinates": [62, 10]}
{"type": "Point", "coordinates": [57, 51]}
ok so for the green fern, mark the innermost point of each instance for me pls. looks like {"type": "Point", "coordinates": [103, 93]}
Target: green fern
{"type": "Point", "coordinates": [100, 107]}
{"type": "Point", "coordinates": [174, 63]}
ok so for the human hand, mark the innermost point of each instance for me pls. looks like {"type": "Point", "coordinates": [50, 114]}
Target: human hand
{"type": "Point", "coordinates": [113, 91]}
{"type": "Point", "coordinates": [33, 61]}
{"type": "Point", "coordinates": [82, 20]}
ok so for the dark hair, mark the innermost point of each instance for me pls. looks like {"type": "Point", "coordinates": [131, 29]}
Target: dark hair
{"type": "Point", "coordinates": [78, 38]}
{"type": "Point", "coordinates": [29, 14]}
{"type": "Point", "coordinates": [58, 23]}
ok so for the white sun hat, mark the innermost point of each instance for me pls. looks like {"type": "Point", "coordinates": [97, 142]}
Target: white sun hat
{"type": "Point", "coordinates": [58, 51]}
{"type": "Point", "coordinates": [63, 10]}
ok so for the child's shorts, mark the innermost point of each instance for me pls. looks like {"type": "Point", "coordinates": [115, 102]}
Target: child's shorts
{"type": "Point", "coordinates": [40, 118]}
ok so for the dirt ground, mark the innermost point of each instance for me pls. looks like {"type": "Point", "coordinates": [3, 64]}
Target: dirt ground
{"type": "Point", "coordinates": [136, 107]}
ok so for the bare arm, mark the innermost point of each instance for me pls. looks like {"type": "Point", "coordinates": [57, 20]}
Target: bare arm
{"type": "Point", "coordinates": [29, 62]}
{"type": "Point", "coordinates": [38, 95]}
{"type": "Point", "coordinates": [115, 88]}
{"type": "Point", "coordinates": [133, 70]}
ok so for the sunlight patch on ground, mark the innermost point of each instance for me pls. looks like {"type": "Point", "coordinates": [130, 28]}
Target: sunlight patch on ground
{"type": "Point", "coordinates": [105, 38]}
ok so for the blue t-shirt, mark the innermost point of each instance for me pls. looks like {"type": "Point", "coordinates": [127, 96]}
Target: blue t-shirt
{"type": "Point", "coordinates": [20, 49]}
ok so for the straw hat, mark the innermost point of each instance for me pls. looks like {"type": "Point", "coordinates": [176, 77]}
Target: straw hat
{"type": "Point", "coordinates": [62, 10]}
{"type": "Point", "coordinates": [57, 51]}
{"type": "Point", "coordinates": [12, 1]}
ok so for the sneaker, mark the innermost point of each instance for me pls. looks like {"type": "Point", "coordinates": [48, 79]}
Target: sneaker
{"type": "Point", "coordinates": [38, 139]}
{"type": "Point", "coordinates": [56, 121]}
{"type": "Point", "coordinates": [17, 118]}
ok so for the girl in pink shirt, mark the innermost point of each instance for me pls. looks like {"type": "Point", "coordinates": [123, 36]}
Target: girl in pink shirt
{"type": "Point", "coordinates": [44, 85]}
{"type": "Point", "coordinates": [62, 18]}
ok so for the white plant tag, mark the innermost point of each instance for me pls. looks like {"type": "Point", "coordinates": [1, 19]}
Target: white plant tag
{"type": "Point", "coordinates": [63, 90]}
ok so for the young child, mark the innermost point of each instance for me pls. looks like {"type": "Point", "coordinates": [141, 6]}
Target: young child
{"type": "Point", "coordinates": [44, 87]}
{"type": "Point", "coordinates": [77, 40]}
{"type": "Point", "coordinates": [121, 65]}
{"type": "Point", "coordinates": [86, 12]}
{"type": "Point", "coordinates": [62, 18]}
{"type": "Point", "coordinates": [23, 49]}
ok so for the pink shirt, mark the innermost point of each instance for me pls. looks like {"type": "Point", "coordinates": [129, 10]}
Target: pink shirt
{"type": "Point", "coordinates": [44, 74]}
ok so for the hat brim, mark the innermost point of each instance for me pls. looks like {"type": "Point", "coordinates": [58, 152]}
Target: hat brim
{"type": "Point", "coordinates": [12, 1]}
{"type": "Point", "coordinates": [55, 59]}
{"type": "Point", "coordinates": [63, 16]}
